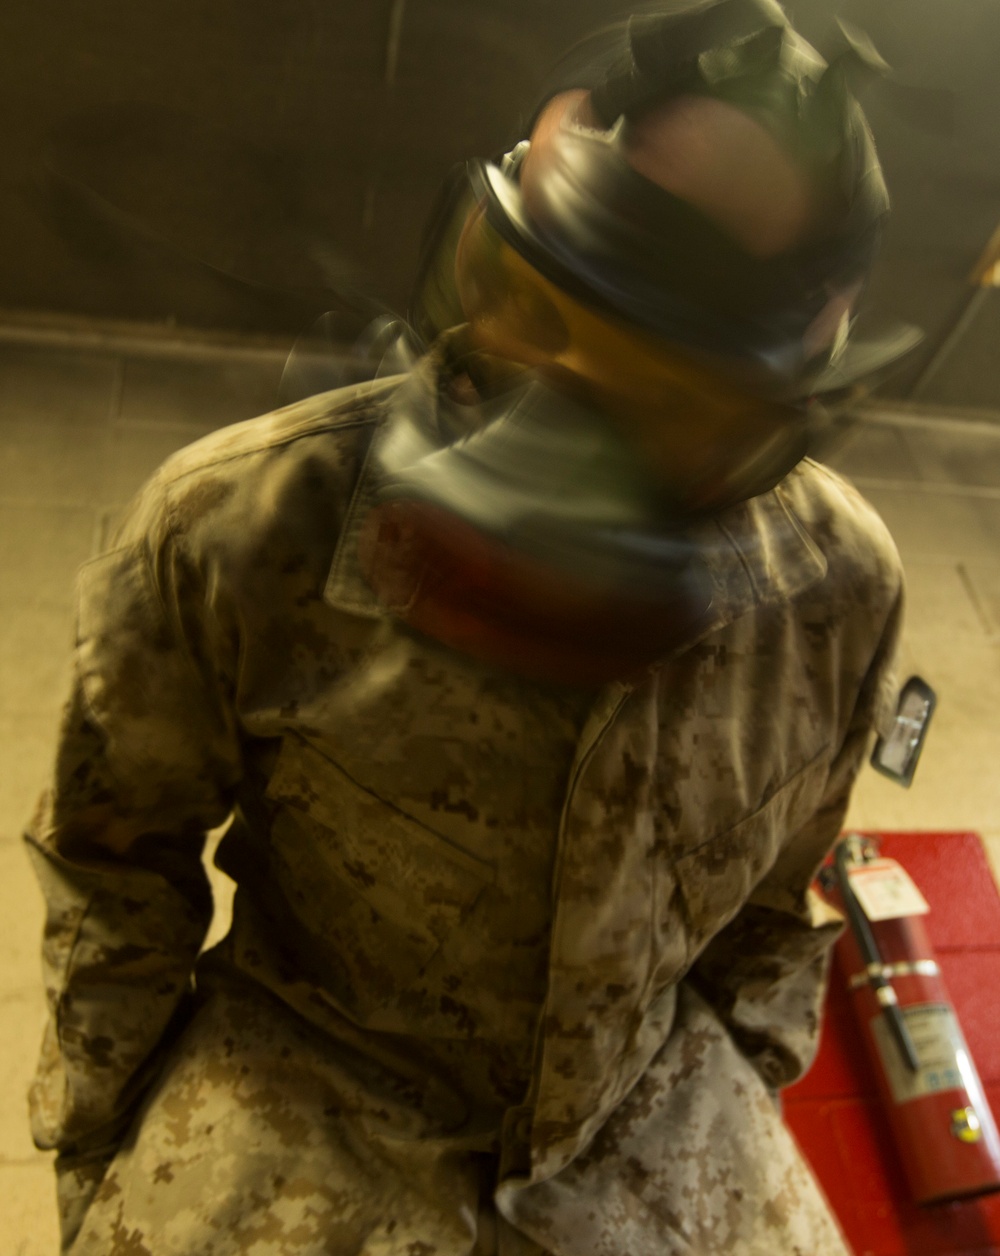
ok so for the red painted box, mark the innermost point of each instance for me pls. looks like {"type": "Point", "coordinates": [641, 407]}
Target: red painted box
{"type": "Point", "coordinates": [834, 1112]}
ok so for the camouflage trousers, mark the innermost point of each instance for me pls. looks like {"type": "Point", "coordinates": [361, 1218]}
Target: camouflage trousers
{"type": "Point", "coordinates": [256, 1140]}
{"type": "Point", "coordinates": [695, 1161]}
{"type": "Point", "coordinates": [263, 1139]}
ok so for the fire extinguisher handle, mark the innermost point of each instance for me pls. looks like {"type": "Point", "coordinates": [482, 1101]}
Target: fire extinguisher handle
{"type": "Point", "coordinates": [872, 957]}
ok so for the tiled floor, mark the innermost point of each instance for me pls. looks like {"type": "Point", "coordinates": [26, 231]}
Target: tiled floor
{"type": "Point", "coordinates": [937, 485]}
{"type": "Point", "coordinates": [80, 431]}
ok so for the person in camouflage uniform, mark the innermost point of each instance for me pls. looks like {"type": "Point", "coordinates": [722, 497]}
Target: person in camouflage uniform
{"type": "Point", "coordinates": [515, 966]}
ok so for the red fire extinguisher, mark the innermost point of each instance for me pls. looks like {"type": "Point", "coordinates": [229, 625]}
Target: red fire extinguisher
{"type": "Point", "coordinates": [941, 1122]}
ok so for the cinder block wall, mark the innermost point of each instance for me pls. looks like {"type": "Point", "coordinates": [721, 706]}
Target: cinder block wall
{"type": "Point", "coordinates": [220, 164]}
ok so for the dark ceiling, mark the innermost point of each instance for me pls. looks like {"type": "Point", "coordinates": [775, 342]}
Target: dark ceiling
{"type": "Point", "coordinates": [220, 164]}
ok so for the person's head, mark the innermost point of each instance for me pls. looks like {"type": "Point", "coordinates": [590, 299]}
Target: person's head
{"type": "Point", "coordinates": [683, 239]}
{"type": "Point", "coordinates": [707, 152]}
{"type": "Point", "coordinates": [659, 279]}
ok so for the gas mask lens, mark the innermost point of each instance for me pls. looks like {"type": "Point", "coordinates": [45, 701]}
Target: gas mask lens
{"type": "Point", "coordinates": [511, 309]}
{"type": "Point", "coordinates": [704, 436]}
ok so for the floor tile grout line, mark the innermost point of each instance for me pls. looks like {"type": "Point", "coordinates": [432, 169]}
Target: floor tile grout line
{"type": "Point", "coordinates": [991, 562]}
{"type": "Point", "coordinates": [936, 488]}
{"type": "Point", "coordinates": [981, 612]}
{"type": "Point", "coordinates": [117, 391]}
{"type": "Point", "coordinates": [180, 427]}
{"type": "Point", "coordinates": [986, 423]}
{"type": "Point", "coordinates": [125, 338]}
{"type": "Point", "coordinates": [907, 450]}
{"type": "Point", "coordinates": [53, 503]}
{"type": "Point", "coordinates": [49, 423]}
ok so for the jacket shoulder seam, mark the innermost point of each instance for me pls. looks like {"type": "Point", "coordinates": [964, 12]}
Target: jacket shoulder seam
{"type": "Point", "coordinates": [309, 428]}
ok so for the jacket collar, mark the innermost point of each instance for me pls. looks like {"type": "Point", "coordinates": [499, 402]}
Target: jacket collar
{"type": "Point", "coordinates": [758, 552]}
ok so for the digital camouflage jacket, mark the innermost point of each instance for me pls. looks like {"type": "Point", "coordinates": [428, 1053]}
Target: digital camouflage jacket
{"type": "Point", "coordinates": [566, 935]}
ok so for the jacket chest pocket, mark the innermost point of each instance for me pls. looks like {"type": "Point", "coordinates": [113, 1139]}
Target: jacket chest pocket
{"type": "Point", "coordinates": [715, 878]}
{"type": "Point", "coordinates": [374, 891]}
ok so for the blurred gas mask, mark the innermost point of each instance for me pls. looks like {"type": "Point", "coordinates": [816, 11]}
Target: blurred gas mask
{"type": "Point", "coordinates": [638, 371]}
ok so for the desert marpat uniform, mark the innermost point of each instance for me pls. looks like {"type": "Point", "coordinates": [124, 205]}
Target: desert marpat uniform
{"type": "Point", "coordinates": [493, 940]}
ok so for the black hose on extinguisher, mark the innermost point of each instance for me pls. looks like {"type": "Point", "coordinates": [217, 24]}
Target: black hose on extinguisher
{"type": "Point", "coordinates": [886, 995]}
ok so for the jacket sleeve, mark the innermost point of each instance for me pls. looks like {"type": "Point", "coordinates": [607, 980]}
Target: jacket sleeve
{"type": "Point", "coordinates": [146, 764]}
{"type": "Point", "coordinates": [765, 973]}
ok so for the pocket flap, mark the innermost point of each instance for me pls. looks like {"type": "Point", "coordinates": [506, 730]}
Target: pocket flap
{"type": "Point", "coordinates": [401, 868]}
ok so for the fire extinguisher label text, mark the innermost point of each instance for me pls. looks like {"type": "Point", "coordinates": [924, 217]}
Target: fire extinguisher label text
{"type": "Point", "coordinates": [940, 1049]}
{"type": "Point", "coordinates": [886, 890]}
